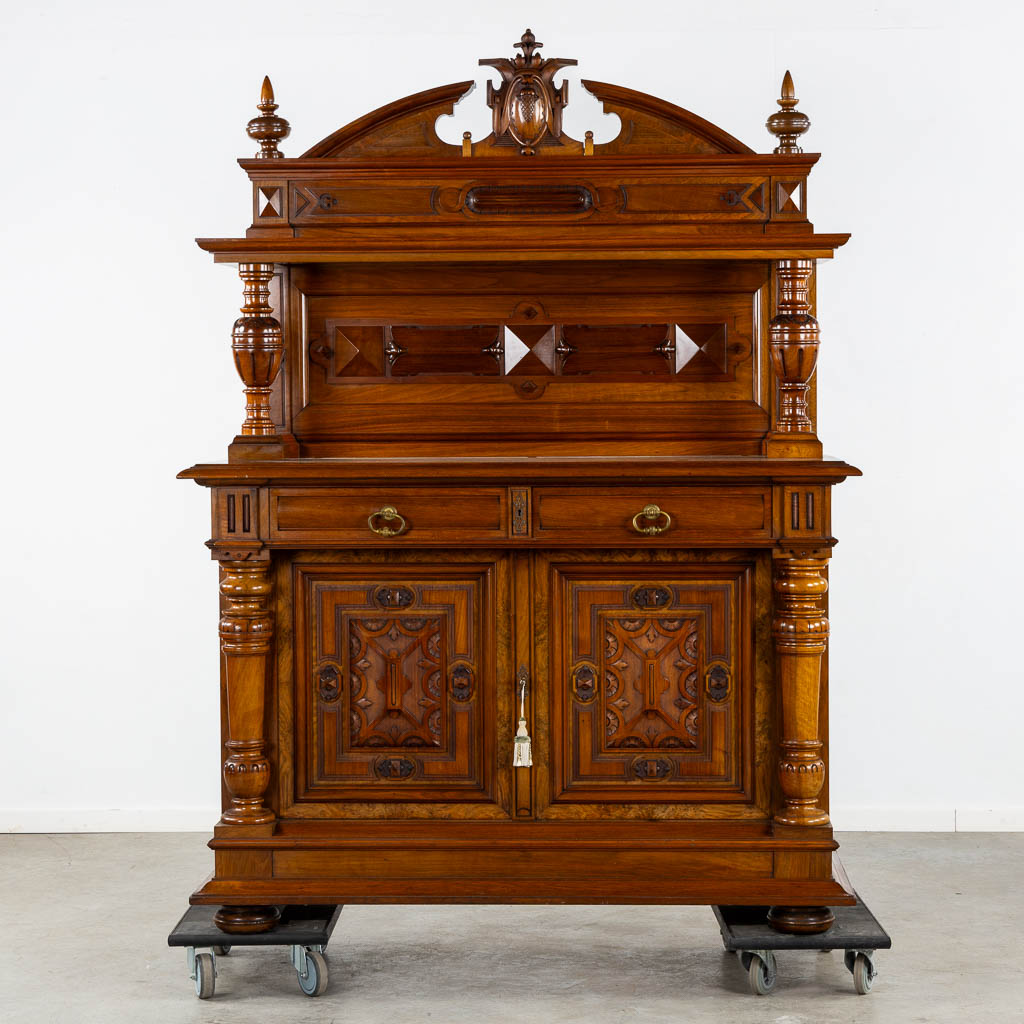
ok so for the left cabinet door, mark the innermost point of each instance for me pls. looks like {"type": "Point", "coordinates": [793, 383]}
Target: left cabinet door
{"type": "Point", "coordinates": [395, 699]}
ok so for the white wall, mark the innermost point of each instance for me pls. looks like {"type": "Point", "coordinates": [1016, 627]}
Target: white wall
{"type": "Point", "coordinates": [122, 123]}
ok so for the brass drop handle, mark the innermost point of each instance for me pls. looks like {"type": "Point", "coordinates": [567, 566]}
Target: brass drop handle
{"type": "Point", "coordinates": [388, 514]}
{"type": "Point", "coordinates": [652, 514]}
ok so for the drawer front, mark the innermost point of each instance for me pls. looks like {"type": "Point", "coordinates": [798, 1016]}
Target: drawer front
{"type": "Point", "coordinates": [705, 516]}
{"type": "Point", "coordinates": [392, 516]}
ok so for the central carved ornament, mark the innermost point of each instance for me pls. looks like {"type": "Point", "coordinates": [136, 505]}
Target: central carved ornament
{"type": "Point", "coordinates": [649, 666]}
{"type": "Point", "coordinates": [397, 682]}
{"type": "Point", "coordinates": [527, 106]}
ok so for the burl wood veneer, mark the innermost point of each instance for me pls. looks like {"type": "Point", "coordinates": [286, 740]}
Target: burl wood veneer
{"type": "Point", "coordinates": [526, 409]}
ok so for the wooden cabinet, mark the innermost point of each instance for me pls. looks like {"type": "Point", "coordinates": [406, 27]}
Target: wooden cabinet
{"type": "Point", "coordinates": [529, 445]}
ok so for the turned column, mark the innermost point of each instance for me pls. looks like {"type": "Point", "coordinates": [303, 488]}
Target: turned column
{"type": "Point", "coordinates": [800, 631]}
{"type": "Point", "coordinates": [257, 344]}
{"type": "Point", "coordinates": [793, 341]}
{"type": "Point", "coordinates": [246, 631]}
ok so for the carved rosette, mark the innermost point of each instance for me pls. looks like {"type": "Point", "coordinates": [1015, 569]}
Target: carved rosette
{"type": "Point", "coordinates": [257, 343]}
{"type": "Point", "coordinates": [794, 339]}
{"type": "Point", "coordinates": [800, 629]}
{"type": "Point", "coordinates": [527, 107]}
{"type": "Point", "coordinates": [246, 632]}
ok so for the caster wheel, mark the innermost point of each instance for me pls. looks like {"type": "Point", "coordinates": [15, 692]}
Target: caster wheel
{"type": "Point", "coordinates": [221, 950]}
{"type": "Point", "coordinates": [761, 974]}
{"type": "Point", "coordinates": [206, 975]}
{"type": "Point", "coordinates": [863, 975]}
{"type": "Point", "coordinates": [315, 981]}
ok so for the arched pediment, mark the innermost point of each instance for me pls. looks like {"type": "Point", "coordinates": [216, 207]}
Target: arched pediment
{"type": "Point", "coordinates": [527, 120]}
{"type": "Point", "coordinates": [652, 125]}
{"type": "Point", "coordinates": [402, 128]}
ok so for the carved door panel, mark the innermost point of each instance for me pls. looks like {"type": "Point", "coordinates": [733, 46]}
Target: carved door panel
{"type": "Point", "coordinates": [650, 688]}
{"type": "Point", "coordinates": [395, 682]}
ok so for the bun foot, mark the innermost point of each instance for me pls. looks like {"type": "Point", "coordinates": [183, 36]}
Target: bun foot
{"type": "Point", "coordinates": [801, 920]}
{"type": "Point", "coordinates": [246, 920]}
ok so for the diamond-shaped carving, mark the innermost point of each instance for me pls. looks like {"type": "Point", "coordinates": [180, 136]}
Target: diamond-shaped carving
{"type": "Point", "coordinates": [270, 199]}
{"type": "Point", "coordinates": [530, 350]}
{"type": "Point", "coordinates": [344, 350]}
{"type": "Point", "coordinates": [701, 348]}
{"type": "Point", "coordinates": [355, 351]}
{"type": "Point", "coordinates": [789, 196]}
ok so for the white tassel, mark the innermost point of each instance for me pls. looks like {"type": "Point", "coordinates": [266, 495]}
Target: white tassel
{"type": "Point", "coordinates": [521, 756]}
{"type": "Point", "coordinates": [521, 750]}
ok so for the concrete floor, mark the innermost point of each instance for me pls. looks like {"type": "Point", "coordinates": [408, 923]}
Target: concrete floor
{"type": "Point", "coordinates": [85, 920]}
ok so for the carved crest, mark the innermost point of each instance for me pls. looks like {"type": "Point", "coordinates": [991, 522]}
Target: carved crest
{"type": "Point", "coordinates": [527, 107]}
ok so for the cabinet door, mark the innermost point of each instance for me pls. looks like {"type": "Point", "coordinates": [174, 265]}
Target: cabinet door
{"type": "Point", "coordinates": [395, 681]}
{"type": "Point", "coordinates": [650, 688]}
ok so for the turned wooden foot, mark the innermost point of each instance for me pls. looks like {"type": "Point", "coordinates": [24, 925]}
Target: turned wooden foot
{"type": "Point", "coordinates": [801, 920]}
{"type": "Point", "coordinates": [246, 920]}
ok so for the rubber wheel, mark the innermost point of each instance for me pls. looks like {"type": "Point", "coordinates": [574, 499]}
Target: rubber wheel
{"type": "Point", "coordinates": [863, 976]}
{"type": "Point", "coordinates": [761, 975]}
{"type": "Point", "coordinates": [315, 981]}
{"type": "Point", "coordinates": [206, 975]}
{"type": "Point", "coordinates": [221, 950]}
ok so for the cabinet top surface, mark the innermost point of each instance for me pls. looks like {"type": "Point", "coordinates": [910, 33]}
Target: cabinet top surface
{"type": "Point", "coordinates": [617, 470]}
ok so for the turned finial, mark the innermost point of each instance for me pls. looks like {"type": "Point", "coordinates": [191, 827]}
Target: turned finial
{"type": "Point", "coordinates": [788, 124]}
{"type": "Point", "coordinates": [268, 129]}
{"type": "Point", "coordinates": [528, 43]}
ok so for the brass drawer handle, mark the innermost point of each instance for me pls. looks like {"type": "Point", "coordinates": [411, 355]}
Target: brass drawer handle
{"type": "Point", "coordinates": [388, 514]}
{"type": "Point", "coordinates": [651, 513]}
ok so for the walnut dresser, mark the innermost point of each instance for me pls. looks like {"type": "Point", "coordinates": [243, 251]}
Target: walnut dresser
{"type": "Point", "coordinates": [523, 541]}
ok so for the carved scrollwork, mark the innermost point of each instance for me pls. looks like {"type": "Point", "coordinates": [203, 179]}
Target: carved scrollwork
{"type": "Point", "coordinates": [584, 682]}
{"type": "Point", "coordinates": [328, 683]}
{"type": "Point", "coordinates": [718, 680]}
{"type": "Point", "coordinates": [393, 597]}
{"type": "Point", "coordinates": [651, 769]}
{"type": "Point", "coordinates": [649, 596]}
{"type": "Point", "coordinates": [395, 768]}
{"type": "Point", "coordinates": [462, 683]}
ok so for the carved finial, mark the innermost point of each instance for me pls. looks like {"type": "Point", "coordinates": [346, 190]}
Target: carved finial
{"type": "Point", "coordinates": [268, 129]}
{"type": "Point", "coordinates": [788, 124]}
{"type": "Point", "coordinates": [528, 105]}
{"type": "Point", "coordinates": [528, 43]}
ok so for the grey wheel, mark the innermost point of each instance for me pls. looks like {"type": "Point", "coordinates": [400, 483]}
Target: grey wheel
{"type": "Point", "coordinates": [761, 974]}
{"type": "Point", "coordinates": [863, 975]}
{"type": "Point", "coordinates": [221, 950]}
{"type": "Point", "coordinates": [206, 975]}
{"type": "Point", "coordinates": [315, 981]}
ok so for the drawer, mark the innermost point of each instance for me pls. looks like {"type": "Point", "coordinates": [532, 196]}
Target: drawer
{"type": "Point", "coordinates": [706, 516]}
{"type": "Point", "coordinates": [358, 515]}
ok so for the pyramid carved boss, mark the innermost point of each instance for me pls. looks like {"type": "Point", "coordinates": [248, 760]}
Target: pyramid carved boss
{"type": "Point", "coordinates": [527, 107]}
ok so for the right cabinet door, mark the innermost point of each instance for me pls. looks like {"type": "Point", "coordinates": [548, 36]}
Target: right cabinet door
{"type": "Point", "coordinates": [650, 685]}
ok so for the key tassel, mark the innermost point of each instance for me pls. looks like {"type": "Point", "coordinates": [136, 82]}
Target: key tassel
{"type": "Point", "coordinates": [522, 756]}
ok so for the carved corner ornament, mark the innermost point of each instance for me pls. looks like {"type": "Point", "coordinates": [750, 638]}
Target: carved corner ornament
{"type": "Point", "coordinates": [527, 106]}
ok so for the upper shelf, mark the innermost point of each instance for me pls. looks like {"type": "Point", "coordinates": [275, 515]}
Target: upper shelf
{"type": "Point", "coordinates": [671, 185]}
